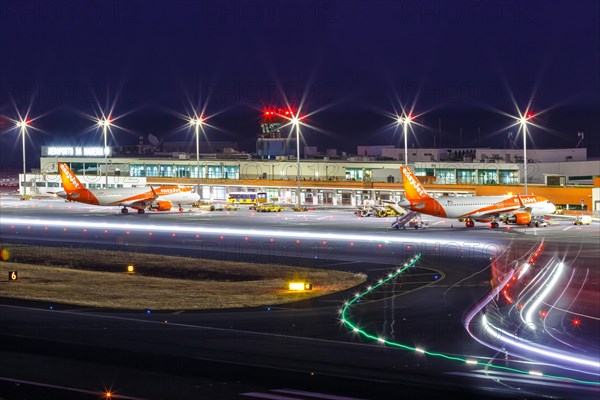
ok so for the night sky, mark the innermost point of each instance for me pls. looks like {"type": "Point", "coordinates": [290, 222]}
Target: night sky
{"type": "Point", "coordinates": [459, 63]}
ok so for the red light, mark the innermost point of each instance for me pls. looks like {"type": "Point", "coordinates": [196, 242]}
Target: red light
{"type": "Point", "coordinates": [576, 322]}
{"type": "Point", "coordinates": [543, 314]}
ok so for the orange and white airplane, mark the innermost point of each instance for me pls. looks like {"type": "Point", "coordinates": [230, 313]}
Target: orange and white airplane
{"type": "Point", "coordinates": [161, 198]}
{"type": "Point", "coordinates": [516, 209]}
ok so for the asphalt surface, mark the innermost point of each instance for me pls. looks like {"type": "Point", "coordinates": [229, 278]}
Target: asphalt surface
{"type": "Point", "coordinates": [63, 351]}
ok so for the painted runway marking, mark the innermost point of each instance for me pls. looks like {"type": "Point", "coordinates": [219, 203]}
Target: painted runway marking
{"type": "Point", "coordinates": [287, 392]}
{"type": "Point", "coordinates": [66, 388]}
{"type": "Point", "coordinates": [567, 228]}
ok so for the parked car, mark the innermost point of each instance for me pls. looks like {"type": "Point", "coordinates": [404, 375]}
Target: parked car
{"type": "Point", "coordinates": [583, 220]}
{"type": "Point", "coordinates": [539, 223]}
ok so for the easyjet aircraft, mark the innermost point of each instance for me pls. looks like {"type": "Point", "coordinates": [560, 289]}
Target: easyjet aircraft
{"type": "Point", "coordinates": [161, 198]}
{"type": "Point", "coordinates": [516, 209]}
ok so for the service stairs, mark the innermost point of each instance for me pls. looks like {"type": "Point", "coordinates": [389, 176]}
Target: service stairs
{"type": "Point", "coordinates": [401, 222]}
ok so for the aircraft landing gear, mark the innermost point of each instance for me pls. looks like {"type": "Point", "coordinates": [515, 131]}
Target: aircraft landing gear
{"type": "Point", "coordinates": [470, 223]}
{"type": "Point", "coordinates": [141, 211]}
{"type": "Point", "coordinates": [124, 210]}
{"type": "Point", "coordinates": [494, 224]}
{"type": "Point", "coordinates": [180, 209]}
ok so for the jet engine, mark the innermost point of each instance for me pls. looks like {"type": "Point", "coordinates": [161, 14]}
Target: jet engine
{"type": "Point", "coordinates": [164, 205]}
{"type": "Point", "coordinates": [521, 218]}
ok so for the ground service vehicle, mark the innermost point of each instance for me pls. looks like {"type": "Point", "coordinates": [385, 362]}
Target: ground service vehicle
{"type": "Point", "coordinates": [583, 220]}
{"type": "Point", "coordinates": [247, 197]}
{"type": "Point", "coordinates": [268, 208]}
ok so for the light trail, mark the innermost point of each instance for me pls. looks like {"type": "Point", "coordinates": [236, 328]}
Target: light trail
{"type": "Point", "coordinates": [353, 327]}
{"type": "Point", "coordinates": [510, 339]}
{"type": "Point", "coordinates": [553, 280]}
{"type": "Point", "coordinates": [218, 230]}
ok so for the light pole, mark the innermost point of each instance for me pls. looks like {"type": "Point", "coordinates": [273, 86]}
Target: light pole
{"type": "Point", "coordinates": [405, 121]}
{"type": "Point", "coordinates": [296, 124]}
{"type": "Point", "coordinates": [105, 123]}
{"type": "Point", "coordinates": [22, 125]}
{"type": "Point", "coordinates": [524, 120]}
{"type": "Point", "coordinates": [197, 123]}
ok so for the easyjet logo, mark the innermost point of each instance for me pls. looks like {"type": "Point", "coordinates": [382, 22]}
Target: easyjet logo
{"type": "Point", "coordinates": [414, 183]}
{"type": "Point", "coordinates": [69, 176]}
{"type": "Point", "coordinates": [529, 199]}
{"type": "Point", "coordinates": [168, 190]}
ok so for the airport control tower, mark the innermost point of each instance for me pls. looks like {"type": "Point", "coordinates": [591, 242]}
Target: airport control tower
{"type": "Point", "coordinates": [275, 138]}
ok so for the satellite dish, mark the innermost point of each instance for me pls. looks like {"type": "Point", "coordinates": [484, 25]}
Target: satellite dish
{"type": "Point", "coordinates": [153, 140]}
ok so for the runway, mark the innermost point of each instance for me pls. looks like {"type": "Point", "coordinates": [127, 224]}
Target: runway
{"type": "Point", "coordinates": [303, 345]}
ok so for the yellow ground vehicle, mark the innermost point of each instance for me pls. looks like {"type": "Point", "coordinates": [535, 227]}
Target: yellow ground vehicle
{"type": "Point", "coordinates": [559, 210]}
{"type": "Point", "coordinates": [583, 220]}
{"type": "Point", "coordinates": [267, 208]}
{"type": "Point", "coordinates": [389, 209]}
{"type": "Point", "coordinates": [247, 197]}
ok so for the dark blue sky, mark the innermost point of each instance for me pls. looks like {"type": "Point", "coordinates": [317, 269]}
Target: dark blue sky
{"type": "Point", "coordinates": [459, 60]}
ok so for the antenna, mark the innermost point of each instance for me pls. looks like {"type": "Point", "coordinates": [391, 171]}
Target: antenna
{"type": "Point", "coordinates": [580, 135]}
{"type": "Point", "coordinates": [511, 141]}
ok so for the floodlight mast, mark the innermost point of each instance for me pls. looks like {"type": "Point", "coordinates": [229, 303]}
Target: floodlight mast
{"type": "Point", "coordinates": [197, 123]}
{"type": "Point", "coordinates": [296, 124]}
{"type": "Point", "coordinates": [105, 123]}
{"type": "Point", "coordinates": [524, 120]}
{"type": "Point", "coordinates": [22, 125]}
{"type": "Point", "coordinates": [405, 121]}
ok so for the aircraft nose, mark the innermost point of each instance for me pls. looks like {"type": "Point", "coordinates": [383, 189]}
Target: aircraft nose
{"type": "Point", "coordinates": [552, 208]}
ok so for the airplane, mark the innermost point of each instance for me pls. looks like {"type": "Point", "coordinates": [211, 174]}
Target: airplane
{"type": "Point", "coordinates": [516, 209]}
{"type": "Point", "coordinates": [161, 198]}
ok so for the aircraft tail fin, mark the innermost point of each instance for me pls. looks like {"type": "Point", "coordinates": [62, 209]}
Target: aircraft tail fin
{"type": "Point", "coordinates": [413, 189]}
{"type": "Point", "coordinates": [69, 180]}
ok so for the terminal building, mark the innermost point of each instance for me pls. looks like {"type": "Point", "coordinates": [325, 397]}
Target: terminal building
{"type": "Point", "coordinates": [565, 176]}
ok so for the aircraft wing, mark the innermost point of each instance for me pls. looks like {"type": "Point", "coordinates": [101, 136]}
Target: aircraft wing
{"type": "Point", "coordinates": [495, 212]}
{"type": "Point", "coordinates": [139, 200]}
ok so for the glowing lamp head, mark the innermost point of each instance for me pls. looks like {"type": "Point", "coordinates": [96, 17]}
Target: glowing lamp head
{"type": "Point", "coordinates": [22, 124]}
{"type": "Point", "coordinates": [196, 121]}
{"type": "Point", "coordinates": [104, 122]}
{"type": "Point", "coordinates": [295, 120]}
{"type": "Point", "coordinates": [403, 120]}
{"type": "Point", "coordinates": [524, 119]}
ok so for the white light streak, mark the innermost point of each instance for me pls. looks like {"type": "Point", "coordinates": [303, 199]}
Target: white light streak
{"type": "Point", "coordinates": [521, 343]}
{"type": "Point", "coordinates": [219, 230]}
{"type": "Point", "coordinates": [549, 286]}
